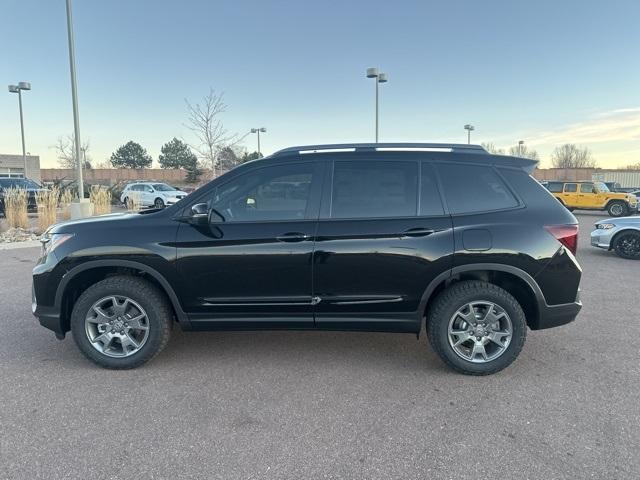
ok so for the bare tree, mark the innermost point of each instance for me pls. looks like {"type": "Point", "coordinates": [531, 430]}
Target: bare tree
{"type": "Point", "coordinates": [570, 155]}
{"type": "Point", "coordinates": [203, 119]}
{"type": "Point", "coordinates": [631, 166]}
{"type": "Point", "coordinates": [66, 152]}
{"type": "Point", "coordinates": [491, 148]}
{"type": "Point", "coordinates": [523, 152]}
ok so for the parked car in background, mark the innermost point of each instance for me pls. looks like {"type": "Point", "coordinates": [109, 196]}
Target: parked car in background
{"type": "Point", "coordinates": [621, 235]}
{"type": "Point", "coordinates": [30, 186]}
{"type": "Point", "coordinates": [593, 196]}
{"type": "Point", "coordinates": [356, 237]}
{"type": "Point", "coordinates": [151, 194]}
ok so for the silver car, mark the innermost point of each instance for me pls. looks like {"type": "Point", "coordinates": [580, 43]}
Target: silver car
{"type": "Point", "coordinates": [622, 235]}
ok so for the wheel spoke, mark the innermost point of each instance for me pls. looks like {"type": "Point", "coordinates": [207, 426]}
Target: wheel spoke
{"type": "Point", "coordinates": [470, 316]}
{"type": "Point", "coordinates": [136, 323]}
{"type": "Point", "coordinates": [461, 336]}
{"type": "Point", "coordinates": [105, 339]}
{"type": "Point", "coordinates": [478, 349]}
{"type": "Point", "coordinates": [499, 337]}
{"type": "Point", "coordinates": [102, 316]}
{"type": "Point", "coordinates": [128, 341]}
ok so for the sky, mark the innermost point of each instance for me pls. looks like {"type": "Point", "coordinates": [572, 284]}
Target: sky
{"type": "Point", "coordinates": [546, 72]}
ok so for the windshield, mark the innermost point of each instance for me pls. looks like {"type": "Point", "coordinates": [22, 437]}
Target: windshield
{"type": "Point", "coordinates": [163, 187]}
{"type": "Point", "coordinates": [601, 187]}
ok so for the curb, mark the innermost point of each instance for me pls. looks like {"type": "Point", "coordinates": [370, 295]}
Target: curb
{"type": "Point", "coordinates": [16, 245]}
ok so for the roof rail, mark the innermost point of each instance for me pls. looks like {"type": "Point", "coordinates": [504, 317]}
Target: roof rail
{"type": "Point", "coordinates": [381, 147]}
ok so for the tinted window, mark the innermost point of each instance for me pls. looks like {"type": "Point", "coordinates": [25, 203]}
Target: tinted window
{"type": "Point", "coordinates": [586, 188]}
{"type": "Point", "coordinates": [366, 189]}
{"type": "Point", "coordinates": [570, 187]}
{"type": "Point", "coordinates": [430, 201]}
{"type": "Point", "coordinates": [474, 188]}
{"type": "Point", "coordinates": [555, 187]}
{"type": "Point", "coordinates": [266, 194]}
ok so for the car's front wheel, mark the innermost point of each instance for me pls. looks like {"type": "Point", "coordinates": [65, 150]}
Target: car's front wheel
{"type": "Point", "coordinates": [159, 203]}
{"type": "Point", "coordinates": [617, 209]}
{"type": "Point", "coordinates": [477, 328]}
{"type": "Point", "coordinates": [627, 245]}
{"type": "Point", "coordinates": [121, 322]}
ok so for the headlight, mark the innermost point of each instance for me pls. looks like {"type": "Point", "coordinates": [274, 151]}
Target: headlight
{"type": "Point", "coordinates": [51, 241]}
{"type": "Point", "coordinates": [605, 226]}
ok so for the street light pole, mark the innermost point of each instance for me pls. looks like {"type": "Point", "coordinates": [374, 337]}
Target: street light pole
{"type": "Point", "coordinates": [74, 99]}
{"type": "Point", "coordinates": [18, 89]}
{"type": "Point", "coordinates": [520, 144]}
{"type": "Point", "coordinates": [469, 128]}
{"type": "Point", "coordinates": [379, 78]}
{"type": "Point", "coordinates": [258, 130]}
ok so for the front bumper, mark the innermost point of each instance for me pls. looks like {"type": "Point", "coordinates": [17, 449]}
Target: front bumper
{"type": "Point", "coordinates": [49, 317]}
{"type": "Point", "coordinates": [602, 238]}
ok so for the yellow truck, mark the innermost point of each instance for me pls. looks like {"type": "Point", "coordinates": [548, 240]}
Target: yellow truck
{"type": "Point", "coordinates": [593, 196]}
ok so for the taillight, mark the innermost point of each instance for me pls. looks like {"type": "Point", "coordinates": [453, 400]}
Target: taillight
{"type": "Point", "coordinates": [566, 235]}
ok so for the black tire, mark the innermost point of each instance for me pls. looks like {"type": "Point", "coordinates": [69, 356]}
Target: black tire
{"type": "Point", "coordinates": [450, 300]}
{"type": "Point", "coordinates": [617, 209]}
{"type": "Point", "coordinates": [126, 202]}
{"type": "Point", "coordinates": [158, 203]}
{"type": "Point", "coordinates": [627, 245]}
{"type": "Point", "coordinates": [149, 297]}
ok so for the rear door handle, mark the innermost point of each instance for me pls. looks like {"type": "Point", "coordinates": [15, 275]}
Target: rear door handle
{"type": "Point", "coordinates": [418, 232]}
{"type": "Point", "coordinates": [293, 237]}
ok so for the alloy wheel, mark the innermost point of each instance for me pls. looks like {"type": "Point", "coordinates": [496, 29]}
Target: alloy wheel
{"type": "Point", "coordinates": [117, 326]}
{"type": "Point", "coordinates": [629, 245]}
{"type": "Point", "coordinates": [480, 331]}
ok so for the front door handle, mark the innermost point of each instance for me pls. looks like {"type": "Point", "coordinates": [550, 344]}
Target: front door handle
{"type": "Point", "coordinates": [293, 237]}
{"type": "Point", "coordinates": [418, 232]}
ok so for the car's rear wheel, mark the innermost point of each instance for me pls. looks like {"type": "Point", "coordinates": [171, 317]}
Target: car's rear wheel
{"type": "Point", "coordinates": [476, 328]}
{"type": "Point", "coordinates": [121, 322]}
{"type": "Point", "coordinates": [617, 209]}
{"type": "Point", "coordinates": [627, 245]}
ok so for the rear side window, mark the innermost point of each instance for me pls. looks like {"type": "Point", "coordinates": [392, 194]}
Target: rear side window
{"type": "Point", "coordinates": [370, 189]}
{"type": "Point", "coordinates": [586, 188]}
{"type": "Point", "coordinates": [474, 188]}
{"type": "Point", "coordinates": [570, 187]}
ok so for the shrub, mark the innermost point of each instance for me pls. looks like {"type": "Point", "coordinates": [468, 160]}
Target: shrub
{"type": "Point", "coordinates": [101, 199]}
{"type": "Point", "coordinates": [15, 207]}
{"type": "Point", "coordinates": [47, 201]}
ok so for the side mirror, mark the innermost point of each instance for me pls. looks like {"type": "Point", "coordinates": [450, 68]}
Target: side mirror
{"type": "Point", "coordinates": [199, 214]}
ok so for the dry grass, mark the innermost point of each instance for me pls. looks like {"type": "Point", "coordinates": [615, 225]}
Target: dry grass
{"type": "Point", "coordinates": [47, 201]}
{"type": "Point", "coordinates": [66, 197]}
{"type": "Point", "coordinates": [101, 199]}
{"type": "Point", "coordinates": [15, 207]}
{"type": "Point", "coordinates": [134, 201]}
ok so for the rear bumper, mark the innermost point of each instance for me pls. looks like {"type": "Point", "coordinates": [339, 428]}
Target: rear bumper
{"type": "Point", "coordinates": [556, 315]}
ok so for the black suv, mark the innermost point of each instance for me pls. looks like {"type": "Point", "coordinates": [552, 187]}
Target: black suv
{"type": "Point", "coordinates": [369, 237]}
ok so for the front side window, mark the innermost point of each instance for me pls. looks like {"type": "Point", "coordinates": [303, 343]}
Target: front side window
{"type": "Point", "coordinates": [163, 187]}
{"type": "Point", "coordinates": [586, 188]}
{"type": "Point", "coordinates": [474, 188]}
{"type": "Point", "coordinates": [370, 189]}
{"type": "Point", "coordinates": [555, 187]}
{"type": "Point", "coordinates": [276, 193]}
{"type": "Point", "coordinates": [570, 188]}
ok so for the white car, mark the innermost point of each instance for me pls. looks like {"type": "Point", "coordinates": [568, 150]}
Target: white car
{"type": "Point", "coordinates": [151, 194]}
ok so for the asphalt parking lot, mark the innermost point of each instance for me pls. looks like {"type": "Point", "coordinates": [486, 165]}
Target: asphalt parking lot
{"type": "Point", "coordinates": [306, 405]}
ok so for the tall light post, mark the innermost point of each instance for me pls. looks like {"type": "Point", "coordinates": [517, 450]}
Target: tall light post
{"type": "Point", "coordinates": [379, 78]}
{"type": "Point", "coordinates": [469, 128]}
{"type": "Point", "coordinates": [520, 144]}
{"type": "Point", "coordinates": [74, 100]}
{"type": "Point", "coordinates": [258, 130]}
{"type": "Point", "coordinates": [18, 89]}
